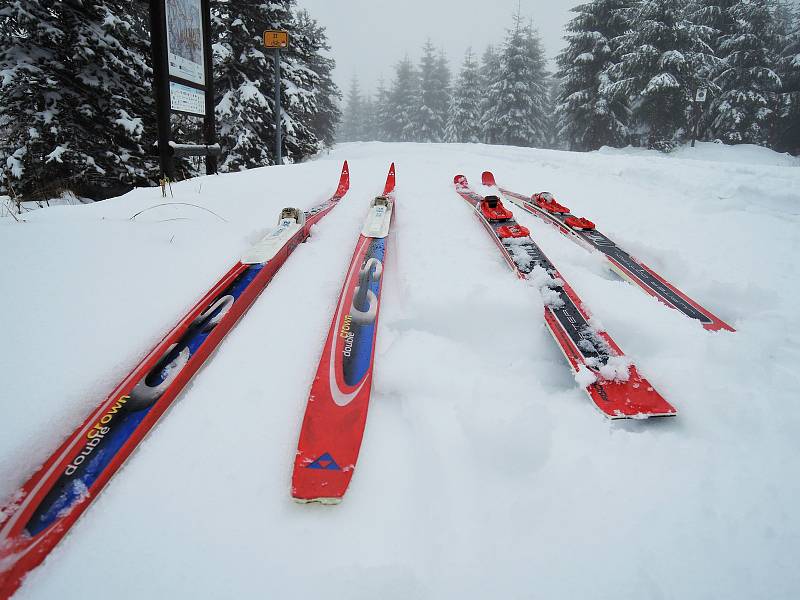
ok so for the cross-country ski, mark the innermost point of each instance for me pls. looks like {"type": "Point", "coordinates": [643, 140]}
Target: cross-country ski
{"type": "Point", "coordinates": [611, 381]}
{"type": "Point", "coordinates": [336, 414]}
{"type": "Point", "coordinates": [583, 232]}
{"type": "Point", "coordinates": [45, 508]}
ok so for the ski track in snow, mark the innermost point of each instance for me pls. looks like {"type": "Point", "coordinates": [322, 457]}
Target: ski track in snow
{"type": "Point", "coordinates": [485, 472]}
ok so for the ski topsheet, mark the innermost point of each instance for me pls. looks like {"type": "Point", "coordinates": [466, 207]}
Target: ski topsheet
{"type": "Point", "coordinates": [336, 413]}
{"type": "Point", "coordinates": [612, 382]}
{"type": "Point", "coordinates": [44, 509]}
{"type": "Point", "coordinates": [583, 232]}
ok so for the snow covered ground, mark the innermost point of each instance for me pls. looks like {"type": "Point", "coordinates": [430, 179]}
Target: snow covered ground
{"type": "Point", "coordinates": [485, 471]}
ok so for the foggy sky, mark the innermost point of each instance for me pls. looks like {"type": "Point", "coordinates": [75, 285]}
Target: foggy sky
{"type": "Point", "coordinates": [368, 37]}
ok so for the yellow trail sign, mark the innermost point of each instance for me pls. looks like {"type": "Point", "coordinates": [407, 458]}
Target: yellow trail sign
{"type": "Point", "coordinates": [276, 39]}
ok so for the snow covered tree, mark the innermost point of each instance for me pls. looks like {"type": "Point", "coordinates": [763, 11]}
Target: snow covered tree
{"type": "Point", "coordinates": [787, 130]}
{"type": "Point", "coordinates": [244, 84]}
{"type": "Point", "coordinates": [368, 120]}
{"type": "Point", "coordinates": [490, 74]}
{"type": "Point", "coordinates": [743, 111]}
{"type": "Point", "coordinates": [463, 124]}
{"type": "Point", "coordinates": [541, 106]}
{"type": "Point", "coordinates": [434, 76]}
{"type": "Point", "coordinates": [517, 101]}
{"type": "Point", "coordinates": [353, 118]}
{"type": "Point", "coordinates": [383, 114]}
{"type": "Point", "coordinates": [587, 119]}
{"type": "Point", "coordinates": [404, 101]}
{"type": "Point", "coordinates": [74, 96]}
{"type": "Point", "coordinates": [659, 60]}
{"type": "Point", "coordinates": [327, 95]}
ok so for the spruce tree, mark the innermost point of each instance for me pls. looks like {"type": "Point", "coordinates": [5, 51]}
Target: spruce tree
{"type": "Point", "coordinates": [327, 95]}
{"type": "Point", "coordinates": [404, 103]}
{"type": "Point", "coordinates": [443, 91]}
{"type": "Point", "coordinates": [586, 118]}
{"type": "Point", "coordinates": [368, 120]}
{"type": "Point", "coordinates": [714, 21]}
{"type": "Point", "coordinates": [743, 111]}
{"type": "Point", "coordinates": [246, 115]}
{"type": "Point", "coordinates": [463, 124]}
{"type": "Point", "coordinates": [539, 83]}
{"type": "Point", "coordinates": [383, 112]}
{"type": "Point", "coordinates": [352, 124]}
{"type": "Point", "coordinates": [489, 76]}
{"type": "Point", "coordinates": [787, 130]}
{"type": "Point", "coordinates": [657, 72]}
{"type": "Point", "coordinates": [517, 100]}
{"type": "Point", "coordinates": [430, 120]}
{"type": "Point", "coordinates": [71, 98]}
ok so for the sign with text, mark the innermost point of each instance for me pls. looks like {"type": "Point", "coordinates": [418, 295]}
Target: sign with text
{"type": "Point", "coordinates": [185, 40]}
{"type": "Point", "coordinates": [183, 98]}
{"type": "Point", "coordinates": [276, 39]}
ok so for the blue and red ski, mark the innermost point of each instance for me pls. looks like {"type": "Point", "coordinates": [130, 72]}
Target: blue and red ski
{"type": "Point", "coordinates": [45, 508]}
{"type": "Point", "coordinates": [336, 413]}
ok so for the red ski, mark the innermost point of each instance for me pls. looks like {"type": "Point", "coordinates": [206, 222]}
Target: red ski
{"type": "Point", "coordinates": [582, 231]}
{"type": "Point", "coordinates": [611, 381]}
{"type": "Point", "coordinates": [336, 413]}
{"type": "Point", "coordinates": [45, 508]}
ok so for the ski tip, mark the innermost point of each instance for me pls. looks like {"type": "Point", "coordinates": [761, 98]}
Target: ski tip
{"type": "Point", "coordinates": [344, 181]}
{"type": "Point", "coordinates": [460, 181]}
{"type": "Point", "coordinates": [390, 181]}
{"type": "Point", "coordinates": [487, 178]}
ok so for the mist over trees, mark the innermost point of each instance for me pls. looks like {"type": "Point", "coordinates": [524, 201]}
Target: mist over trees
{"type": "Point", "coordinates": [503, 99]}
{"type": "Point", "coordinates": [76, 102]}
{"type": "Point", "coordinates": [627, 75]}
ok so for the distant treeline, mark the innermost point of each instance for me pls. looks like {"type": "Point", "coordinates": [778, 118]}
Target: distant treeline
{"type": "Point", "coordinates": [628, 75]}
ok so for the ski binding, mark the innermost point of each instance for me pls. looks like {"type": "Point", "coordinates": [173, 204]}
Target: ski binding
{"type": "Point", "coordinates": [290, 222]}
{"type": "Point", "coordinates": [378, 218]}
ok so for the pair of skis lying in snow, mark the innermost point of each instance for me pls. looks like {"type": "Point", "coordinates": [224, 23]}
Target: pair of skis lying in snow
{"type": "Point", "coordinates": [611, 381]}
{"type": "Point", "coordinates": [48, 504]}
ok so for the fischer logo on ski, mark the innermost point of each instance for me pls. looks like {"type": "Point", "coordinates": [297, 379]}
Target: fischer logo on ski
{"type": "Point", "coordinates": [589, 352]}
{"type": "Point", "coordinates": [335, 417]}
{"type": "Point", "coordinates": [50, 502]}
{"type": "Point", "coordinates": [583, 232]}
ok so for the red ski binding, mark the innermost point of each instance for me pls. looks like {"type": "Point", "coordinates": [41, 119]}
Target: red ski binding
{"type": "Point", "coordinates": [493, 210]}
{"type": "Point", "coordinates": [548, 202]}
{"type": "Point", "coordinates": [513, 231]}
{"type": "Point", "coordinates": [578, 223]}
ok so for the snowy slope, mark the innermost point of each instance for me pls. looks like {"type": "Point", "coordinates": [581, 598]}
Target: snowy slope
{"type": "Point", "coordinates": [485, 471]}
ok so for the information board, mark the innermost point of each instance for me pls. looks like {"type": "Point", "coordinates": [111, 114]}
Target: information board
{"type": "Point", "coordinates": [185, 40]}
{"type": "Point", "coordinates": [186, 99]}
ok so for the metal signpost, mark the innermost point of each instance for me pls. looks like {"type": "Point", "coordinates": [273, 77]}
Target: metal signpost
{"type": "Point", "coordinates": [277, 40]}
{"type": "Point", "coordinates": [180, 40]}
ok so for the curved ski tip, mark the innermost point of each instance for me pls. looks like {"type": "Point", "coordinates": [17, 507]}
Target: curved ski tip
{"type": "Point", "coordinates": [487, 178]}
{"type": "Point", "coordinates": [390, 179]}
{"type": "Point", "coordinates": [460, 180]}
{"type": "Point", "coordinates": [344, 180]}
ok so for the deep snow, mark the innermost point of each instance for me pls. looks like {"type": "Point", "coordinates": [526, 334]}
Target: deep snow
{"type": "Point", "coordinates": [485, 472]}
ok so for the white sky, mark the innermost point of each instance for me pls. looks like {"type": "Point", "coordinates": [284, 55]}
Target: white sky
{"type": "Point", "coordinates": [368, 38]}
